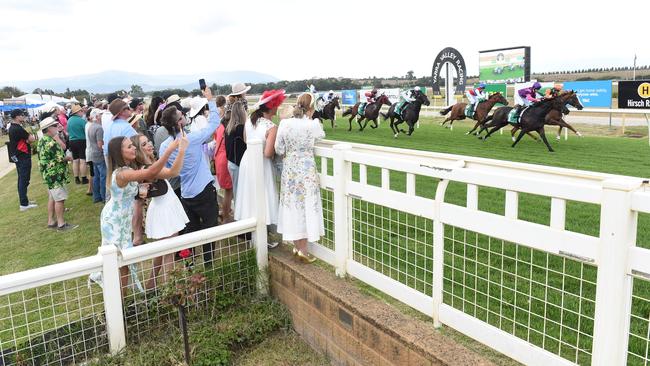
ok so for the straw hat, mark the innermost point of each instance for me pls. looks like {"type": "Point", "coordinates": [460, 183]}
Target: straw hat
{"type": "Point", "coordinates": [196, 104]}
{"type": "Point", "coordinates": [172, 98]}
{"type": "Point", "coordinates": [238, 89]}
{"type": "Point", "coordinates": [46, 123]}
{"type": "Point", "coordinates": [76, 108]}
{"type": "Point", "coordinates": [134, 119]}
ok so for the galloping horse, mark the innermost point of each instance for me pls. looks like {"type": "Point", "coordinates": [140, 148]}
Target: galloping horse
{"type": "Point", "coordinates": [328, 111]}
{"type": "Point", "coordinates": [554, 118]}
{"type": "Point", "coordinates": [369, 114]}
{"type": "Point", "coordinates": [532, 119]}
{"type": "Point", "coordinates": [482, 110]}
{"type": "Point", "coordinates": [410, 114]}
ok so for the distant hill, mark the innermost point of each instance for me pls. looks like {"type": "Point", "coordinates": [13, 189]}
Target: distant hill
{"type": "Point", "coordinates": [109, 81]}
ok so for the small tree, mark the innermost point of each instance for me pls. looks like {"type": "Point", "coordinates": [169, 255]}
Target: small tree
{"type": "Point", "coordinates": [409, 75]}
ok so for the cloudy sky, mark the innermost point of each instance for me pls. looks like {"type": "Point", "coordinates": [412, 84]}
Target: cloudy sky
{"type": "Point", "coordinates": [301, 39]}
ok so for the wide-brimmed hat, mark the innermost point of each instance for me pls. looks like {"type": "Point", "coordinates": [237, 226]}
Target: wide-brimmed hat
{"type": "Point", "coordinates": [238, 89]}
{"type": "Point", "coordinates": [271, 98]}
{"type": "Point", "coordinates": [196, 104]}
{"type": "Point", "coordinates": [134, 118]}
{"type": "Point", "coordinates": [117, 106]}
{"type": "Point", "coordinates": [172, 98]}
{"type": "Point", "coordinates": [76, 108]}
{"type": "Point", "coordinates": [47, 122]}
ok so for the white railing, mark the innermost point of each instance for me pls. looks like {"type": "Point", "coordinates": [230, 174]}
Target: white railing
{"type": "Point", "coordinates": [537, 292]}
{"type": "Point", "coordinates": [54, 315]}
{"type": "Point", "coordinates": [422, 228]}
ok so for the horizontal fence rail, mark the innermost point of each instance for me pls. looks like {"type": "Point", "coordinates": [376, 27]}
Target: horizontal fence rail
{"type": "Point", "coordinates": [548, 266]}
{"type": "Point", "coordinates": [537, 262]}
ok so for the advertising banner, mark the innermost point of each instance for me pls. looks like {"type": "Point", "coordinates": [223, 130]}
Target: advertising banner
{"type": "Point", "coordinates": [494, 88]}
{"type": "Point", "coordinates": [634, 94]}
{"type": "Point", "coordinates": [450, 56]}
{"type": "Point", "coordinates": [392, 93]}
{"type": "Point", "coordinates": [592, 93]}
{"type": "Point", "coordinates": [506, 65]}
{"type": "Point", "coordinates": [349, 97]}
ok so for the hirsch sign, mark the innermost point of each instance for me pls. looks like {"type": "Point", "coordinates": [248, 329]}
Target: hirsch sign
{"type": "Point", "coordinates": [634, 94]}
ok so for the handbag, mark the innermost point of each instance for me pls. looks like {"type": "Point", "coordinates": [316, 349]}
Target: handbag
{"type": "Point", "coordinates": [157, 188]}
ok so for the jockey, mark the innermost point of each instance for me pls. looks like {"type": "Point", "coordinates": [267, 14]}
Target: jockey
{"type": "Point", "coordinates": [328, 97]}
{"type": "Point", "coordinates": [370, 98]}
{"type": "Point", "coordinates": [475, 96]}
{"type": "Point", "coordinates": [311, 89]}
{"type": "Point", "coordinates": [406, 97]}
{"type": "Point", "coordinates": [553, 92]}
{"type": "Point", "coordinates": [324, 100]}
{"type": "Point", "coordinates": [529, 96]}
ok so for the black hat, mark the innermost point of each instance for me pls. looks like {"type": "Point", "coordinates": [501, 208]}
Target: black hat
{"type": "Point", "coordinates": [135, 103]}
{"type": "Point", "coordinates": [111, 97]}
{"type": "Point", "coordinates": [17, 112]}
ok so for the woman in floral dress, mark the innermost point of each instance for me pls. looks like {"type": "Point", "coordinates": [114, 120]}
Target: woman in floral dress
{"type": "Point", "coordinates": [300, 216]}
{"type": "Point", "coordinates": [118, 212]}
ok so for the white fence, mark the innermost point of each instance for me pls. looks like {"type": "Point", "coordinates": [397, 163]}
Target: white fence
{"type": "Point", "coordinates": [540, 263]}
{"type": "Point", "coordinates": [538, 292]}
{"type": "Point", "coordinates": [54, 315]}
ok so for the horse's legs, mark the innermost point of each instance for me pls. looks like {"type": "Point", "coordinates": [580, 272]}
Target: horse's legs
{"type": "Point", "coordinates": [541, 132]}
{"type": "Point", "coordinates": [559, 133]}
{"type": "Point", "coordinates": [361, 127]}
{"type": "Point", "coordinates": [411, 128]}
{"type": "Point", "coordinates": [478, 123]}
{"type": "Point", "coordinates": [562, 123]}
{"type": "Point", "coordinates": [521, 134]}
{"type": "Point", "coordinates": [494, 129]}
{"type": "Point", "coordinates": [350, 123]}
{"type": "Point", "coordinates": [375, 125]}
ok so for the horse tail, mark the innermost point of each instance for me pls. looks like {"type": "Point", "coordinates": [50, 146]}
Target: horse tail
{"type": "Point", "coordinates": [384, 116]}
{"type": "Point", "coordinates": [347, 111]}
{"type": "Point", "coordinates": [446, 110]}
{"type": "Point", "coordinates": [488, 118]}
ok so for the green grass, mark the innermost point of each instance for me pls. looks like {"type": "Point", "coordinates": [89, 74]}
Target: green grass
{"type": "Point", "coordinates": [487, 73]}
{"type": "Point", "coordinates": [545, 299]}
{"type": "Point", "coordinates": [24, 236]}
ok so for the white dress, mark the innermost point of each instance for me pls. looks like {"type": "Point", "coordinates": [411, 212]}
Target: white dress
{"type": "Point", "coordinates": [244, 204]}
{"type": "Point", "coordinates": [300, 215]}
{"type": "Point", "coordinates": [165, 215]}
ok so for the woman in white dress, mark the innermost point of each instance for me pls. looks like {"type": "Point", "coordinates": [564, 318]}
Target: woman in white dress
{"type": "Point", "coordinates": [260, 127]}
{"type": "Point", "coordinates": [165, 216]}
{"type": "Point", "coordinates": [300, 215]}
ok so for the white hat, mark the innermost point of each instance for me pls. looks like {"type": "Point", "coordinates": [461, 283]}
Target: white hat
{"type": "Point", "coordinates": [172, 98]}
{"type": "Point", "coordinates": [331, 92]}
{"type": "Point", "coordinates": [48, 122]}
{"type": "Point", "coordinates": [196, 104]}
{"type": "Point", "coordinates": [238, 89]}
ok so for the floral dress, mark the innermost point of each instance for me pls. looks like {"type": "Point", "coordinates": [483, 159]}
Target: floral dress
{"type": "Point", "coordinates": [116, 222]}
{"type": "Point", "coordinates": [300, 213]}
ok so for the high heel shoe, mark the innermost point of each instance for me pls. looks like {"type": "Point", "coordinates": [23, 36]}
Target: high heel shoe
{"type": "Point", "coordinates": [306, 257]}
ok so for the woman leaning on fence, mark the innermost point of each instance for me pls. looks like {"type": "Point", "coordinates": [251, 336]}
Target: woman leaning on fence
{"type": "Point", "coordinates": [300, 216]}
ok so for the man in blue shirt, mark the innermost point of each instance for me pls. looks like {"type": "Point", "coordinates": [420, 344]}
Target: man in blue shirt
{"type": "Point", "coordinates": [120, 127]}
{"type": "Point", "coordinates": [198, 194]}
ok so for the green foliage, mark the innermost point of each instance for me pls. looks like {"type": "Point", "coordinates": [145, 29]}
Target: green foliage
{"type": "Point", "coordinates": [10, 91]}
{"type": "Point", "coordinates": [216, 335]}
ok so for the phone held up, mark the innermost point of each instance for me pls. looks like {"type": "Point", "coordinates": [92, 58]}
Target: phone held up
{"type": "Point", "coordinates": [202, 84]}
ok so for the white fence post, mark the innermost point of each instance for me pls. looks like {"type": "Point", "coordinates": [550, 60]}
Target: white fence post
{"type": "Point", "coordinates": [438, 252]}
{"type": "Point", "coordinates": [342, 172]}
{"type": "Point", "coordinates": [256, 153]}
{"type": "Point", "coordinates": [613, 286]}
{"type": "Point", "coordinates": [112, 293]}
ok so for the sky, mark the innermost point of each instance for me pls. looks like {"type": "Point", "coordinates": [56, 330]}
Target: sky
{"type": "Point", "coordinates": [303, 39]}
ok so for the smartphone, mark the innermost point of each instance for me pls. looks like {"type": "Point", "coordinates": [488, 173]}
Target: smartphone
{"type": "Point", "coordinates": [202, 84]}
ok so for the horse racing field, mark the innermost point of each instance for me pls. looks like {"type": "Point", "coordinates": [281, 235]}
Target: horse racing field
{"type": "Point", "coordinates": [545, 299]}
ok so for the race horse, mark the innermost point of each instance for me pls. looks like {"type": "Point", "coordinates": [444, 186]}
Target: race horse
{"type": "Point", "coordinates": [410, 114]}
{"type": "Point", "coordinates": [555, 118]}
{"type": "Point", "coordinates": [370, 113]}
{"type": "Point", "coordinates": [532, 118]}
{"type": "Point", "coordinates": [328, 111]}
{"type": "Point", "coordinates": [481, 113]}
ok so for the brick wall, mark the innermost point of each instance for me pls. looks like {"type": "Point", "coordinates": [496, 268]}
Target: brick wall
{"type": "Point", "coordinates": [354, 329]}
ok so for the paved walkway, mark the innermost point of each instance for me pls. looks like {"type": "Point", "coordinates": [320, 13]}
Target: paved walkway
{"type": "Point", "coordinates": [5, 166]}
